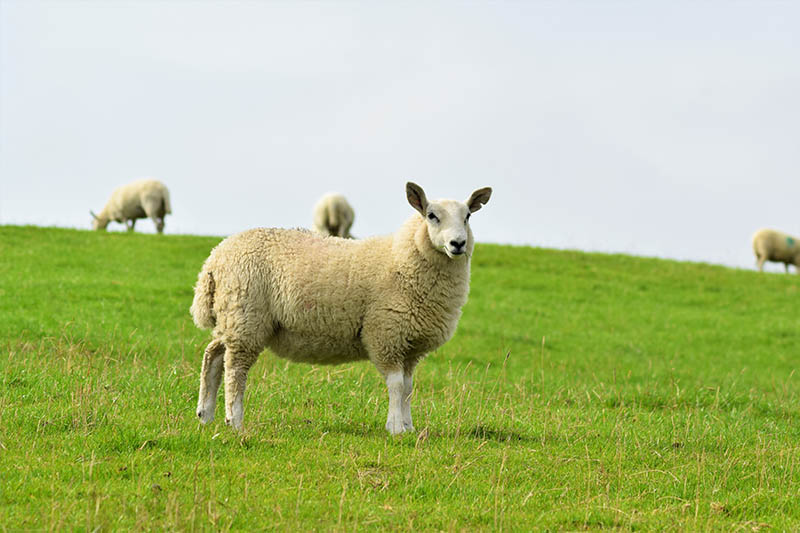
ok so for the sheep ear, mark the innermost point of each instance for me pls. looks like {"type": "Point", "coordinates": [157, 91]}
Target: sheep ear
{"type": "Point", "coordinates": [416, 197]}
{"type": "Point", "coordinates": [93, 215]}
{"type": "Point", "coordinates": [479, 198]}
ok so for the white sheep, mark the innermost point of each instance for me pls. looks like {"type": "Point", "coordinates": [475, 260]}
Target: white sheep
{"type": "Point", "coordinates": [140, 199]}
{"type": "Point", "coordinates": [773, 245]}
{"type": "Point", "coordinates": [333, 215]}
{"type": "Point", "coordinates": [315, 299]}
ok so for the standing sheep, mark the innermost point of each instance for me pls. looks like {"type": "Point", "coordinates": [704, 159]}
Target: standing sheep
{"type": "Point", "coordinates": [773, 245]}
{"type": "Point", "coordinates": [333, 215]}
{"type": "Point", "coordinates": [307, 298]}
{"type": "Point", "coordinates": [139, 199]}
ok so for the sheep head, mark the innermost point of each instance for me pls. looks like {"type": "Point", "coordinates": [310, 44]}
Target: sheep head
{"type": "Point", "coordinates": [448, 220]}
{"type": "Point", "coordinates": [99, 222]}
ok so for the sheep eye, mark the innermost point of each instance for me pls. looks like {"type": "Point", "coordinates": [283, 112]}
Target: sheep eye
{"type": "Point", "coordinates": [468, 215]}
{"type": "Point", "coordinates": [433, 217]}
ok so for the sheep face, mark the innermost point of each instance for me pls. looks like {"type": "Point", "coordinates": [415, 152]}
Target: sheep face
{"type": "Point", "coordinates": [99, 222]}
{"type": "Point", "coordinates": [448, 227]}
{"type": "Point", "coordinates": [448, 220]}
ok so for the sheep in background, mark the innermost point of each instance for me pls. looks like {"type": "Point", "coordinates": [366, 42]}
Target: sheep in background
{"type": "Point", "coordinates": [333, 216]}
{"type": "Point", "coordinates": [140, 199]}
{"type": "Point", "coordinates": [308, 298]}
{"type": "Point", "coordinates": [773, 245]}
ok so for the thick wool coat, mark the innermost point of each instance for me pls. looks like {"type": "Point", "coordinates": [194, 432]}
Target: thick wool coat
{"type": "Point", "coordinates": [328, 300]}
{"type": "Point", "coordinates": [145, 198]}
{"type": "Point", "coordinates": [773, 245]}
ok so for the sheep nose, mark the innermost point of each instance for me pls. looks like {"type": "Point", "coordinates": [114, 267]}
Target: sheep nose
{"type": "Point", "coordinates": [458, 245]}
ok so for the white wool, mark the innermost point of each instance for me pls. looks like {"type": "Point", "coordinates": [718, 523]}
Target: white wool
{"type": "Point", "coordinates": [328, 300]}
{"type": "Point", "coordinates": [146, 198]}
{"type": "Point", "coordinates": [773, 245]}
{"type": "Point", "coordinates": [333, 215]}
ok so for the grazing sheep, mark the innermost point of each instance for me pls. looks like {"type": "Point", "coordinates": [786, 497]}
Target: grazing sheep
{"type": "Point", "coordinates": [139, 199]}
{"type": "Point", "coordinates": [315, 299]}
{"type": "Point", "coordinates": [772, 245]}
{"type": "Point", "coordinates": [333, 216]}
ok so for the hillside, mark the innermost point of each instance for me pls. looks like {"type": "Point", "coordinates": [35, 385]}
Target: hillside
{"type": "Point", "coordinates": [581, 391]}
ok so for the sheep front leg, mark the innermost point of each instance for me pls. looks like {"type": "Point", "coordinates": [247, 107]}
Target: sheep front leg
{"type": "Point", "coordinates": [130, 223]}
{"type": "Point", "coordinates": [408, 389]}
{"type": "Point", "coordinates": [395, 383]}
{"type": "Point", "coordinates": [237, 364]}
{"type": "Point", "coordinates": [386, 354]}
{"type": "Point", "coordinates": [210, 378]}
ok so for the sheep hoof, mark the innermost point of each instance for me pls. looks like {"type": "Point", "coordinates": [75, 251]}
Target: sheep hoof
{"type": "Point", "coordinates": [395, 427]}
{"type": "Point", "coordinates": [235, 424]}
{"type": "Point", "coordinates": [205, 416]}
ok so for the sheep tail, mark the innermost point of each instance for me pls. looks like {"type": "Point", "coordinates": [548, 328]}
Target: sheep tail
{"type": "Point", "coordinates": [203, 304]}
{"type": "Point", "coordinates": [333, 215]}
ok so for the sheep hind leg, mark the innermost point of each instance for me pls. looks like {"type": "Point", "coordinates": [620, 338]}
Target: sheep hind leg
{"type": "Point", "coordinates": [237, 364]}
{"type": "Point", "coordinates": [159, 222]}
{"type": "Point", "coordinates": [210, 378]}
{"type": "Point", "coordinates": [154, 210]}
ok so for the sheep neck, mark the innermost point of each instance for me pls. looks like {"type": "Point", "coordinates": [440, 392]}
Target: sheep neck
{"type": "Point", "coordinates": [427, 271]}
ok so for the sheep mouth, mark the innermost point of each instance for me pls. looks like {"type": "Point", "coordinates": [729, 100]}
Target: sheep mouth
{"type": "Point", "coordinates": [454, 253]}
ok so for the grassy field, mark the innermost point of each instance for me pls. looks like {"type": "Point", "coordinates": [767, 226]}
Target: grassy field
{"type": "Point", "coordinates": [581, 392]}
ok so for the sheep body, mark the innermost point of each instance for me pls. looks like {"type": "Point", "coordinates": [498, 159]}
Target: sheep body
{"type": "Point", "coordinates": [319, 291]}
{"type": "Point", "coordinates": [327, 300]}
{"type": "Point", "coordinates": [773, 245]}
{"type": "Point", "coordinates": [146, 198]}
{"type": "Point", "coordinates": [333, 215]}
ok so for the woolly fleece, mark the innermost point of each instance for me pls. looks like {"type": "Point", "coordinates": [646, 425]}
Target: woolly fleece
{"type": "Point", "coordinates": [329, 300]}
{"type": "Point", "coordinates": [333, 215]}
{"type": "Point", "coordinates": [140, 199]}
{"type": "Point", "coordinates": [773, 245]}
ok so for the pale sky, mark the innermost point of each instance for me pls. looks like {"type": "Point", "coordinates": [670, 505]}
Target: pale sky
{"type": "Point", "coordinates": [659, 128]}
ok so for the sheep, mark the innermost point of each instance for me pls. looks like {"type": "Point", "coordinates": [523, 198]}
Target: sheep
{"type": "Point", "coordinates": [327, 300]}
{"type": "Point", "coordinates": [139, 199]}
{"type": "Point", "coordinates": [773, 245]}
{"type": "Point", "coordinates": [333, 216]}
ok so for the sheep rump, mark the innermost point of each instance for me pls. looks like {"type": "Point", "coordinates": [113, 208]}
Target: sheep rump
{"type": "Point", "coordinates": [773, 245]}
{"type": "Point", "coordinates": [145, 198]}
{"type": "Point", "coordinates": [333, 215]}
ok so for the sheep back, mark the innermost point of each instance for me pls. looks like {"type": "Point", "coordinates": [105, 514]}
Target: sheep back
{"type": "Point", "coordinates": [138, 199]}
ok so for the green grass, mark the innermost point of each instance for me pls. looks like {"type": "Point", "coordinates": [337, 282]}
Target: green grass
{"type": "Point", "coordinates": [581, 392]}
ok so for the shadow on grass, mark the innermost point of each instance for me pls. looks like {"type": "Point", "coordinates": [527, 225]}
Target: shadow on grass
{"type": "Point", "coordinates": [483, 432]}
{"type": "Point", "coordinates": [769, 408]}
{"type": "Point", "coordinates": [480, 432]}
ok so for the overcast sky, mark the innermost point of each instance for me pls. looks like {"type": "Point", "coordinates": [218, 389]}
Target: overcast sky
{"type": "Point", "coordinates": [660, 128]}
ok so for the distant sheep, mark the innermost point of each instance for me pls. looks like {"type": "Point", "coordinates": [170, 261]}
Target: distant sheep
{"type": "Point", "coordinates": [772, 245]}
{"type": "Point", "coordinates": [333, 216]}
{"type": "Point", "coordinates": [313, 299]}
{"type": "Point", "coordinates": [140, 199]}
